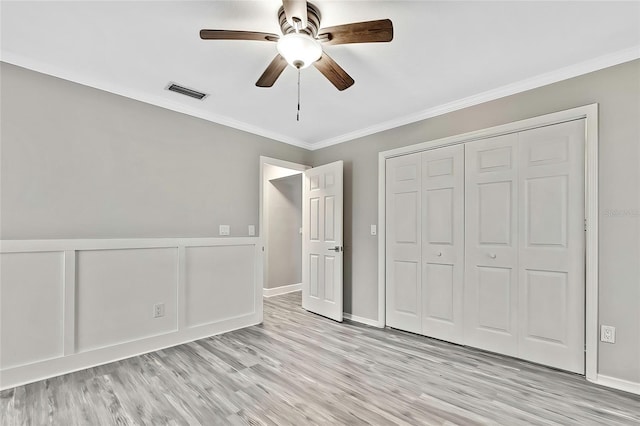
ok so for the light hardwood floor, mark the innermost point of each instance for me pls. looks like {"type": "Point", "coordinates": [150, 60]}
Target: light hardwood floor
{"type": "Point", "coordinates": [298, 368]}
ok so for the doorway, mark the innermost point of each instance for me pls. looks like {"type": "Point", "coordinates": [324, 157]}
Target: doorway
{"type": "Point", "coordinates": [301, 230]}
{"type": "Point", "coordinates": [281, 225]}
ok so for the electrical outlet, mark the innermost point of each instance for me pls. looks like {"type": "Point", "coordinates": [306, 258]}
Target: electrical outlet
{"type": "Point", "coordinates": [224, 230]}
{"type": "Point", "coordinates": [158, 310]}
{"type": "Point", "coordinates": [607, 334]}
{"type": "Point", "coordinates": [252, 230]}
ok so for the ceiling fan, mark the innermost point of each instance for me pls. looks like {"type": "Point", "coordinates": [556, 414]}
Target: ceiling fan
{"type": "Point", "coordinates": [302, 38]}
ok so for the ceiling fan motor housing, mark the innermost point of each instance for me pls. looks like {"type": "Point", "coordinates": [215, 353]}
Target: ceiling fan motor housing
{"type": "Point", "coordinates": [313, 22]}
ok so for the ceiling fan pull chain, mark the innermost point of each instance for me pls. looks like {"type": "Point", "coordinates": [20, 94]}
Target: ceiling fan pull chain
{"type": "Point", "coordinates": [298, 114]}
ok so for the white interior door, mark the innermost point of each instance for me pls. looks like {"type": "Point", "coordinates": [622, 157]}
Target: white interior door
{"type": "Point", "coordinates": [403, 251]}
{"type": "Point", "coordinates": [552, 245]}
{"type": "Point", "coordinates": [443, 243]}
{"type": "Point", "coordinates": [322, 246]}
{"type": "Point", "coordinates": [491, 226]}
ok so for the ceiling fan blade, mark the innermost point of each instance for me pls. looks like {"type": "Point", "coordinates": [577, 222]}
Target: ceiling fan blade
{"type": "Point", "coordinates": [358, 32]}
{"type": "Point", "coordinates": [237, 35]}
{"type": "Point", "coordinates": [296, 11]}
{"type": "Point", "coordinates": [273, 71]}
{"type": "Point", "coordinates": [334, 72]}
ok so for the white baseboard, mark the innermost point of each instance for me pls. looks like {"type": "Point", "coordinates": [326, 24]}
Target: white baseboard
{"type": "Point", "coordinates": [276, 291]}
{"type": "Point", "coordinates": [361, 320]}
{"type": "Point", "coordinates": [620, 384]}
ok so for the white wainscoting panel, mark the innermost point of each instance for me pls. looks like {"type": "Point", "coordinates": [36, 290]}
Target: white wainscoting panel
{"type": "Point", "coordinates": [31, 307]}
{"type": "Point", "coordinates": [116, 291]}
{"type": "Point", "coordinates": [66, 305]}
{"type": "Point", "coordinates": [219, 283]}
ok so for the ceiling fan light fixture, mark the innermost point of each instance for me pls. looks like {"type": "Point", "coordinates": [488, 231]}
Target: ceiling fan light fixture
{"type": "Point", "coordinates": [299, 50]}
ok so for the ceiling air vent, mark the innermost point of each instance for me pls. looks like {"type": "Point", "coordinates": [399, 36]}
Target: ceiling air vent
{"type": "Point", "coordinates": [185, 91]}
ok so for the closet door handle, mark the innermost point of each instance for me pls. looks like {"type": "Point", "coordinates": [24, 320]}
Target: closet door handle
{"type": "Point", "coordinates": [439, 254]}
{"type": "Point", "coordinates": [492, 255]}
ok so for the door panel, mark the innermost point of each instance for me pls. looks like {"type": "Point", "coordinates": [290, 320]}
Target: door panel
{"type": "Point", "coordinates": [405, 208]}
{"type": "Point", "coordinates": [403, 272]}
{"type": "Point", "coordinates": [322, 260]}
{"type": "Point", "coordinates": [548, 289]}
{"type": "Point", "coordinates": [438, 291]}
{"type": "Point", "coordinates": [495, 213]}
{"type": "Point", "coordinates": [314, 275]}
{"type": "Point", "coordinates": [443, 243]}
{"type": "Point", "coordinates": [438, 218]}
{"type": "Point", "coordinates": [551, 250]}
{"type": "Point", "coordinates": [494, 159]}
{"type": "Point", "coordinates": [329, 280]}
{"type": "Point", "coordinates": [329, 217]}
{"type": "Point", "coordinates": [494, 299]}
{"type": "Point", "coordinates": [314, 223]}
{"type": "Point", "coordinates": [491, 252]}
{"type": "Point", "coordinates": [406, 292]}
{"type": "Point", "coordinates": [546, 200]}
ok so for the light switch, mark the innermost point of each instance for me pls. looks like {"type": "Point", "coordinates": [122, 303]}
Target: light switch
{"type": "Point", "coordinates": [224, 230]}
{"type": "Point", "coordinates": [374, 230]}
{"type": "Point", "coordinates": [252, 230]}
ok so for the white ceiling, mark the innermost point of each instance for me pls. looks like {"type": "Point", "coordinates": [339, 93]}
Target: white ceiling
{"type": "Point", "coordinates": [444, 55]}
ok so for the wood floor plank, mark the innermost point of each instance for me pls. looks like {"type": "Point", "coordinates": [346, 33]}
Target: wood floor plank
{"type": "Point", "coordinates": [299, 368]}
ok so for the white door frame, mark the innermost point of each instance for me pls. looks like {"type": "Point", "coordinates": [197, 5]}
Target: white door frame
{"type": "Point", "coordinates": [590, 114]}
{"type": "Point", "coordinates": [262, 233]}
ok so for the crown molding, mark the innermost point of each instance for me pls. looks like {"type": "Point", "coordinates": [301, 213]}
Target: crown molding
{"type": "Point", "coordinates": [560, 74]}
{"type": "Point", "coordinates": [128, 92]}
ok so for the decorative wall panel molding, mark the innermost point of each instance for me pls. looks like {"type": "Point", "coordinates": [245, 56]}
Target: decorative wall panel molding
{"type": "Point", "coordinates": [73, 304]}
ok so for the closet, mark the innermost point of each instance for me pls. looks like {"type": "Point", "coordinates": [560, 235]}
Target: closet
{"type": "Point", "coordinates": [485, 244]}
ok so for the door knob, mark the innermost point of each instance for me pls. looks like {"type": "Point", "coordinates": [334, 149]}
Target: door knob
{"type": "Point", "coordinates": [492, 255]}
{"type": "Point", "coordinates": [336, 248]}
{"type": "Point", "coordinates": [439, 253]}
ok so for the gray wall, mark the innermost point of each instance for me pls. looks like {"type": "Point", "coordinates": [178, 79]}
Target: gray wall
{"type": "Point", "coordinates": [82, 163]}
{"type": "Point", "coordinates": [617, 90]}
{"type": "Point", "coordinates": [285, 242]}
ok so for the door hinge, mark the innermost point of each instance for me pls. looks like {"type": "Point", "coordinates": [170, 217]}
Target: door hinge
{"type": "Point", "coordinates": [585, 224]}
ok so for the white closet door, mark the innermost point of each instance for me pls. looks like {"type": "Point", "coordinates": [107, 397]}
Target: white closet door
{"type": "Point", "coordinates": [443, 242]}
{"type": "Point", "coordinates": [491, 226]}
{"type": "Point", "coordinates": [403, 212]}
{"type": "Point", "coordinates": [552, 244]}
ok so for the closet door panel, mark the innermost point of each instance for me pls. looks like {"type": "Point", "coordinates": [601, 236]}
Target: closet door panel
{"type": "Point", "coordinates": [443, 243]}
{"type": "Point", "coordinates": [403, 251]}
{"type": "Point", "coordinates": [491, 244]}
{"type": "Point", "coordinates": [552, 245]}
